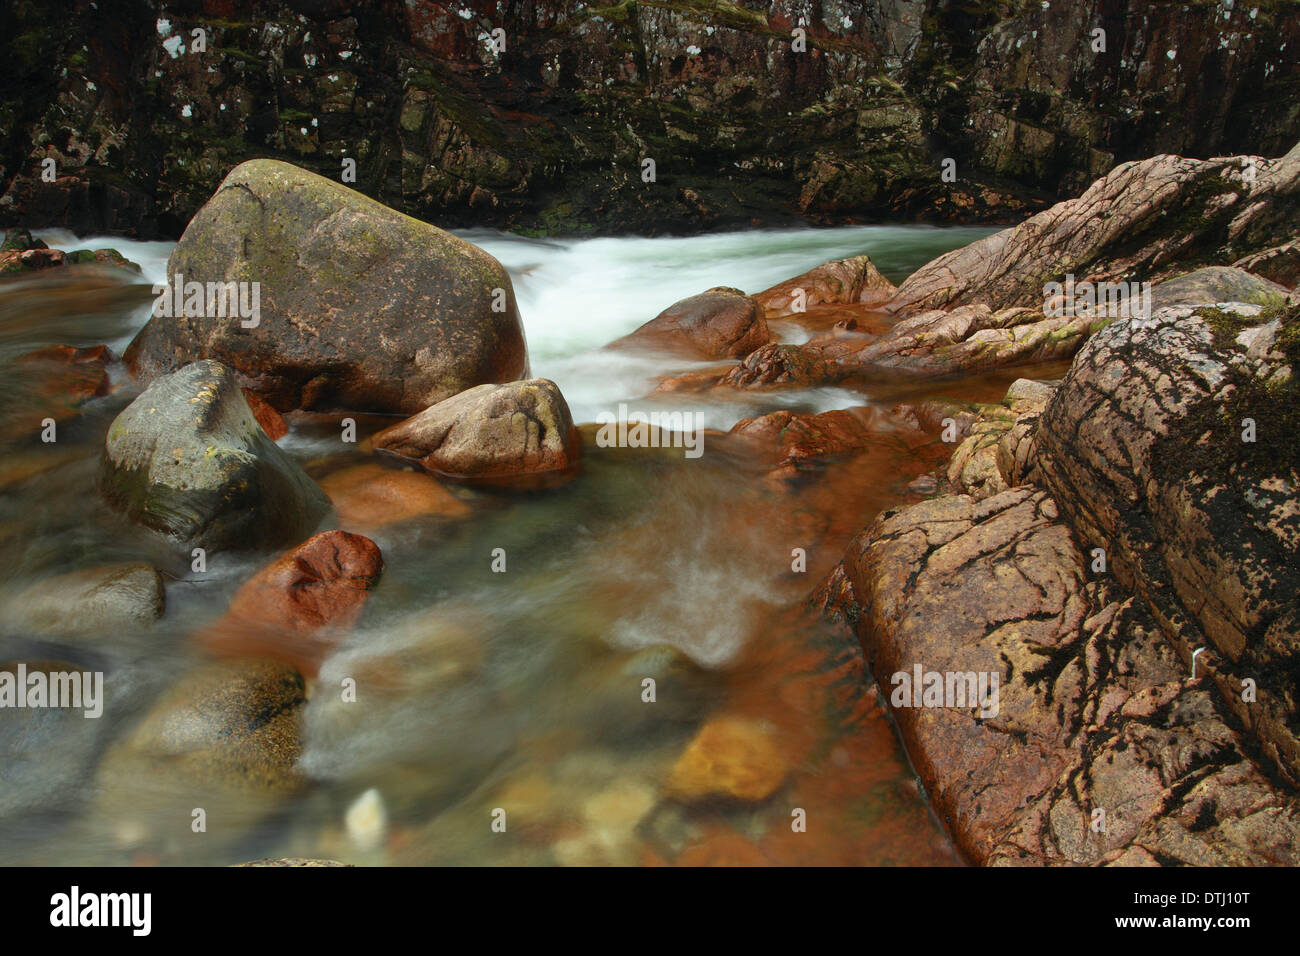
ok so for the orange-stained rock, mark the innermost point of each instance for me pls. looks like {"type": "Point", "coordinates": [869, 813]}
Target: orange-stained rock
{"type": "Point", "coordinates": [730, 757]}
{"type": "Point", "coordinates": [720, 323]}
{"type": "Point", "coordinates": [721, 846]}
{"type": "Point", "coordinates": [272, 422]}
{"type": "Point", "coordinates": [295, 608]}
{"type": "Point", "coordinates": [370, 496]}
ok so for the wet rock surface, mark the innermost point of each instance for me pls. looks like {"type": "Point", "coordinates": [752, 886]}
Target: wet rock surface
{"type": "Point", "coordinates": [301, 605]}
{"type": "Point", "coordinates": [188, 459]}
{"type": "Point", "coordinates": [855, 280]}
{"type": "Point", "coordinates": [112, 598]}
{"type": "Point", "coordinates": [1095, 709]}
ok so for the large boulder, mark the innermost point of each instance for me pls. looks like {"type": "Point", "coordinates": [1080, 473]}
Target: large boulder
{"type": "Point", "coordinates": [188, 459]}
{"type": "Point", "coordinates": [717, 324]}
{"type": "Point", "coordinates": [361, 307]}
{"type": "Point", "coordinates": [491, 434]}
{"type": "Point", "coordinates": [1093, 710]}
{"type": "Point", "coordinates": [1173, 448]}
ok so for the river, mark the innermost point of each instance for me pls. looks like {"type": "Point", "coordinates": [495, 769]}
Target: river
{"type": "Point", "coordinates": [520, 691]}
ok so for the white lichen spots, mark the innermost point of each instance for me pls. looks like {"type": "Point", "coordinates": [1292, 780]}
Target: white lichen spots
{"type": "Point", "coordinates": [693, 50]}
{"type": "Point", "coordinates": [345, 54]}
{"type": "Point", "coordinates": [1171, 53]}
{"type": "Point", "coordinates": [309, 59]}
{"type": "Point", "coordinates": [187, 111]}
{"type": "Point", "coordinates": [174, 46]}
{"type": "Point", "coordinates": [465, 13]}
{"type": "Point", "coordinates": [164, 27]}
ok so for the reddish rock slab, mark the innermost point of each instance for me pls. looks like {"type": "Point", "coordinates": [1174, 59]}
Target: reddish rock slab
{"type": "Point", "coordinates": [296, 608]}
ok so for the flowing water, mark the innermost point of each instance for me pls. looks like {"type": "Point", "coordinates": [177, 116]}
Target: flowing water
{"type": "Point", "coordinates": [520, 690]}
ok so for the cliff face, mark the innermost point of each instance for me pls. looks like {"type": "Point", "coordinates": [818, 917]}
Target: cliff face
{"type": "Point", "coordinates": [552, 132]}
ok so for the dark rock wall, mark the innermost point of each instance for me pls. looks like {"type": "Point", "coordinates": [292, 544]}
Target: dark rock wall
{"type": "Point", "coordinates": [550, 134]}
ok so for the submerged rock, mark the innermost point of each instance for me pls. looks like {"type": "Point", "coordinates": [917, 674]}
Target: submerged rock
{"type": "Point", "coordinates": [298, 607]}
{"type": "Point", "coordinates": [371, 496]}
{"type": "Point", "coordinates": [491, 434]}
{"type": "Point", "coordinates": [56, 382]}
{"type": "Point", "coordinates": [98, 601]}
{"type": "Point", "coordinates": [229, 726]}
{"type": "Point", "coordinates": [720, 323]}
{"type": "Point", "coordinates": [731, 757]}
{"type": "Point", "coordinates": [360, 307]}
{"type": "Point", "coordinates": [291, 861]}
{"type": "Point", "coordinates": [188, 459]}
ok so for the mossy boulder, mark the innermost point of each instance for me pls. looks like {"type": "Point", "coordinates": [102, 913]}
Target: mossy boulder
{"type": "Point", "coordinates": [188, 459]}
{"type": "Point", "coordinates": [359, 306]}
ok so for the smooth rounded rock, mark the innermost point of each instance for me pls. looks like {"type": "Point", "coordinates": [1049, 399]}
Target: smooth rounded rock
{"type": "Point", "coordinates": [188, 459]}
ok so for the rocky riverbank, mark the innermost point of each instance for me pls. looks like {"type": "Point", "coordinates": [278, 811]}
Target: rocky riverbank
{"type": "Point", "coordinates": [1120, 548]}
